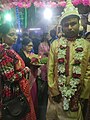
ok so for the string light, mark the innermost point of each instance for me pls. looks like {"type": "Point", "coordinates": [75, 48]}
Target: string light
{"type": "Point", "coordinates": [18, 18]}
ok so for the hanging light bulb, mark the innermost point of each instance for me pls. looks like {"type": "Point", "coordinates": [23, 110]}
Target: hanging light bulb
{"type": "Point", "coordinates": [48, 14]}
{"type": "Point", "coordinates": [8, 17]}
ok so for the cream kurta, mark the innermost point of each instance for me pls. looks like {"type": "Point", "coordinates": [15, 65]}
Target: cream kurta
{"type": "Point", "coordinates": [85, 71]}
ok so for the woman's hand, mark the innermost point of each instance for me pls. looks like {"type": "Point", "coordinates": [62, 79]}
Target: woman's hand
{"type": "Point", "coordinates": [39, 71]}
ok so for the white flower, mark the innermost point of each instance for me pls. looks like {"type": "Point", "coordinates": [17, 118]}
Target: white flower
{"type": "Point", "coordinates": [62, 79]}
{"type": "Point", "coordinates": [77, 69]}
{"type": "Point", "coordinates": [61, 68]}
{"type": "Point", "coordinates": [78, 43]}
{"type": "Point", "coordinates": [61, 53]}
{"type": "Point", "coordinates": [68, 90]}
{"type": "Point", "coordinates": [65, 104]}
{"type": "Point", "coordinates": [78, 56]}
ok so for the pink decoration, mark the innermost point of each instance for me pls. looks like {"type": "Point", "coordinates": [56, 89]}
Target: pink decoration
{"type": "Point", "coordinates": [20, 4]}
{"type": "Point", "coordinates": [0, 8]}
{"type": "Point", "coordinates": [11, 5]}
{"type": "Point", "coordinates": [76, 2]}
{"type": "Point", "coordinates": [32, 1]}
{"type": "Point", "coordinates": [52, 4]}
{"type": "Point", "coordinates": [36, 4]}
{"type": "Point", "coordinates": [85, 2]}
{"type": "Point", "coordinates": [42, 4]}
{"type": "Point", "coordinates": [39, 3]}
{"type": "Point", "coordinates": [63, 4]}
{"type": "Point", "coordinates": [14, 4]}
{"type": "Point", "coordinates": [26, 1]}
{"type": "Point", "coordinates": [28, 5]}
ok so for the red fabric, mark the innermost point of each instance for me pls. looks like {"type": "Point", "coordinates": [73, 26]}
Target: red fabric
{"type": "Point", "coordinates": [67, 61]}
{"type": "Point", "coordinates": [44, 72]}
{"type": "Point", "coordinates": [34, 93]}
{"type": "Point", "coordinates": [25, 86]}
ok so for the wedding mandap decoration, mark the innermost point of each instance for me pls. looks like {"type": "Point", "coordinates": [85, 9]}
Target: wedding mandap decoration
{"type": "Point", "coordinates": [8, 4]}
{"type": "Point", "coordinates": [33, 5]}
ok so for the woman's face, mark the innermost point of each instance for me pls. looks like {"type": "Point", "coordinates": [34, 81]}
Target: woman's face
{"type": "Point", "coordinates": [11, 37]}
{"type": "Point", "coordinates": [29, 47]}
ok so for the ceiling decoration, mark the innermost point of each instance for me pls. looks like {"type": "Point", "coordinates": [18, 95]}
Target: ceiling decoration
{"type": "Point", "coordinates": [8, 4]}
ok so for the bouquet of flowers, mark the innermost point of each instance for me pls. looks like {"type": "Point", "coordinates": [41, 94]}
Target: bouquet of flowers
{"type": "Point", "coordinates": [44, 60]}
{"type": "Point", "coordinates": [34, 60]}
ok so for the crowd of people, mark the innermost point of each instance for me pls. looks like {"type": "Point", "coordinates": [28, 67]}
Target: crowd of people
{"type": "Point", "coordinates": [54, 76]}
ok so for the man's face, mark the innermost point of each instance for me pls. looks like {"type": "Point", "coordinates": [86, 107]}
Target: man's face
{"type": "Point", "coordinates": [70, 27]}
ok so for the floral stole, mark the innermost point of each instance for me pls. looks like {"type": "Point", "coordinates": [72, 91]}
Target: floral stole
{"type": "Point", "coordinates": [8, 61]}
{"type": "Point", "coordinates": [69, 90]}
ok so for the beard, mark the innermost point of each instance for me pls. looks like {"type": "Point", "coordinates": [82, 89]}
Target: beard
{"type": "Point", "coordinates": [71, 34]}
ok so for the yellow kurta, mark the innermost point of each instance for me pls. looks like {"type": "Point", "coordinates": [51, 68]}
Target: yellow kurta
{"type": "Point", "coordinates": [85, 71]}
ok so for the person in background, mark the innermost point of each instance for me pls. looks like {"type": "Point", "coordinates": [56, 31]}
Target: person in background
{"type": "Point", "coordinates": [27, 56]}
{"type": "Point", "coordinates": [35, 40]}
{"type": "Point", "coordinates": [53, 35]}
{"type": "Point", "coordinates": [84, 22]}
{"type": "Point", "coordinates": [44, 46]}
{"type": "Point", "coordinates": [18, 66]}
{"type": "Point", "coordinates": [68, 70]}
{"type": "Point", "coordinates": [5, 30]}
{"type": "Point", "coordinates": [43, 51]}
{"type": "Point", "coordinates": [17, 45]}
{"type": "Point", "coordinates": [26, 35]}
{"type": "Point", "coordinates": [87, 36]}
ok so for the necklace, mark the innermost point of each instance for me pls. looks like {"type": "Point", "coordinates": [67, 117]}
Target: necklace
{"type": "Point", "coordinates": [68, 89]}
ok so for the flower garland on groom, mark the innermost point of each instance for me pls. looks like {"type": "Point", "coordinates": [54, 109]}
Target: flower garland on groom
{"type": "Point", "coordinates": [68, 69]}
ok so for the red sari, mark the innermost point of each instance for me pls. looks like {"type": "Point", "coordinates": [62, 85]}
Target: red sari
{"type": "Point", "coordinates": [10, 61]}
{"type": "Point", "coordinates": [25, 86]}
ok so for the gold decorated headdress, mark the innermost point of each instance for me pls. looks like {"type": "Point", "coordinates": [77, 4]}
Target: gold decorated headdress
{"type": "Point", "coordinates": [69, 10]}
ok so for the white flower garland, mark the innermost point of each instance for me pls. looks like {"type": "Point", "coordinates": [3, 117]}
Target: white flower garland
{"type": "Point", "coordinates": [68, 90]}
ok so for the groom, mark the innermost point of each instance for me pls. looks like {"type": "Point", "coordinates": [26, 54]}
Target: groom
{"type": "Point", "coordinates": [68, 70]}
